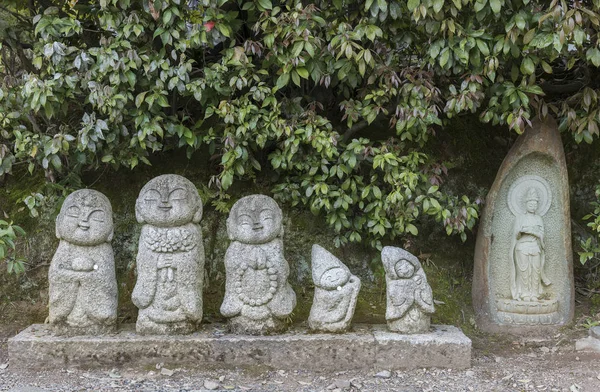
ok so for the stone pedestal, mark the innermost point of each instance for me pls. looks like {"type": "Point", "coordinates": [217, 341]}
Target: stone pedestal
{"type": "Point", "coordinates": [367, 348]}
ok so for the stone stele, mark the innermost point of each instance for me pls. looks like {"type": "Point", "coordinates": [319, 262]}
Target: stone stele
{"type": "Point", "coordinates": [170, 259]}
{"type": "Point", "coordinates": [523, 273]}
{"type": "Point", "coordinates": [409, 296]}
{"type": "Point", "coordinates": [82, 282]}
{"type": "Point", "coordinates": [336, 291]}
{"type": "Point", "coordinates": [258, 298]}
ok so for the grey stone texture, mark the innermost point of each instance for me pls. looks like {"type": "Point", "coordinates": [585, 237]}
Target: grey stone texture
{"type": "Point", "coordinates": [336, 292]}
{"type": "Point", "coordinates": [591, 342]}
{"type": "Point", "coordinates": [258, 298]}
{"type": "Point", "coordinates": [170, 259]}
{"type": "Point", "coordinates": [367, 348]}
{"type": "Point", "coordinates": [409, 296]}
{"type": "Point", "coordinates": [523, 272]}
{"type": "Point", "coordinates": [82, 282]}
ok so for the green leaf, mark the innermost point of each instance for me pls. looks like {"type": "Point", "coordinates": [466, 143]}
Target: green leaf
{"type": "Point", "coordinates": [527, 66]}
{"type": "Point", "coordinates": [265, 4]}
{"type": "Point", "coordinates": [282, 81]}
{"type": "Point", "coordinates": [302, 72]}
{"type": "Point", "coordinates": [437, 5]}
{"type": "Point", "coordinates": [496, 5]}
{"type": "Point", "coordinates": [412, 4]}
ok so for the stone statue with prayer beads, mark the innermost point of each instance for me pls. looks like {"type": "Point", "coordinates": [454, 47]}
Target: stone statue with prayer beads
{"type": "Point", "coordinates": [258, 298]}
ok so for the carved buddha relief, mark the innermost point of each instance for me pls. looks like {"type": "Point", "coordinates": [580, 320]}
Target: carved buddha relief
{"type": "Point", "coordinates": [529, 199]}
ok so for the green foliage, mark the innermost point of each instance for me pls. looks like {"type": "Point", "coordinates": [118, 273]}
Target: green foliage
{"type": "Point", "coordinates": [8, 235]}
{"type": "Point", "coordinates": [292, 87]}
{"type": "Point", "coordinates": [590, 247]}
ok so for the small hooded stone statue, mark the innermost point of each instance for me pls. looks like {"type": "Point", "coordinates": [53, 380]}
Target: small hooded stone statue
{"type": "Point", "coordinates": [336, 291]}
{"type": "Point", "coordinates": [258, 297]}
{"type": "Point", "coordinates": [170, 259]}
{"type": "Point", "coordinates": [409, 296]}
{"type": "Point", "coordinates": [83, 286]}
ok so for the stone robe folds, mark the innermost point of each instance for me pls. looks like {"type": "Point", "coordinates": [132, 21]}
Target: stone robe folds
{"type": "Point", "coordinates": [169, 274]}
{"type": "Point", "coordinates": [83, 287]}
{"type": "Point", "coordinates": [527, 258]}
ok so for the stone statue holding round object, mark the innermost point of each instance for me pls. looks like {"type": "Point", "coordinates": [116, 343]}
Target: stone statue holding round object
{"type": "Point", "coordinates": [82, 282]}
{"type": "Point", "coordinates": [336, 292]}
{"type": "Point", "coordinates": [409, 296]}
{"type": "Point", "coordinates": [170, 259]}
{"type": "Point", "coordinates": [258, 298]}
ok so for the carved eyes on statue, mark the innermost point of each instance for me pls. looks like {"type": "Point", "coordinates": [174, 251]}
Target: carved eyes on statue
{"type": "Point", "coordinates": [245, 220]}
{"type": "Point", "coordinates": [73, 212]}
{"type": "Point", "coordinates": [152, 195]}
{"type": "Point", "coordinates": [266, 215]}
{"type": "Point", "coordinates": [178, 194]}
{"type": "Point", "coordinates": [97, 216]}
{"type": "Point", "coordinates": [175, 194]}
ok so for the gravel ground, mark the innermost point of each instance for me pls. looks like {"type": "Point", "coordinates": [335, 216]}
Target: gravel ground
{"type": "Point", "coordinates": [498, 364]}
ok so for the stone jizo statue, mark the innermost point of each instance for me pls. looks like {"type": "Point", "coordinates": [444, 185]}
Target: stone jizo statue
{"type": "Point", "coordinates": [170, 259]}
{"type": "Point", "coordinates": [83, 286]}
{"type": "Point", "coordinates": [336, 291]}
{"type": "Point", "coordinates": [528, 254]}
{"type": "Point", "coordinates": [409, 296]}
{"type": "Point", "coordinates": [258, 298]}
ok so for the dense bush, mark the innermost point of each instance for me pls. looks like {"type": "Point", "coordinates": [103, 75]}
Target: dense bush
{"type": "Point", "coordinates": [301, 88]}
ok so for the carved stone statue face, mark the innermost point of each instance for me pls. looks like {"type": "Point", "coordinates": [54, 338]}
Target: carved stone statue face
{"type": "Point", "coordinates": [254, 219]}
{"type": "Point", "coordinates": [167, 201]}
{"type": "Point", "coordinates": [531, 206]}
{"type": "Point", "coordinates": [404, 269]}
{"type": "Point", "coordinates": [85, 219]}
{"type": "Point", "coordinates": [334, 277]}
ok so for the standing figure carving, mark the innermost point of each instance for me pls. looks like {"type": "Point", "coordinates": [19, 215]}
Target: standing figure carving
{"type": "Point", "coordinates": [170, 259]}
{"type": "Point", "coordinates": [336, 292]}
{"type": "Point", "coordinates": [409, 296]}
{"type": "Point", "coordinates": [258, 298]}
{"type": "Point", "coordinates": [82, 282]}
{"type": "Point", "coordinates": [528, 255]}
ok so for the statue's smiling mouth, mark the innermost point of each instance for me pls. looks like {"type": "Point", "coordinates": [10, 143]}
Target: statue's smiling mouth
{"type": "Point", "coordinates": [83, 227]}
{"type": "Point", "coordinates": [165, 208]}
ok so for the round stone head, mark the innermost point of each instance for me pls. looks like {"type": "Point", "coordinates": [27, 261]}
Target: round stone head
{"type": "Point", "coordinates": [85, 218]}
{"type": "Point", "coordinates": [255, 219]}
{"type": "Point", "coordinates": [398, 263]}
{"type": "Point", "coordinates": [168, 201]}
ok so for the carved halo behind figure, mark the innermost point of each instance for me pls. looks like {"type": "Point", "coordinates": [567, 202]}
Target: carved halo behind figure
{"type": "Point", "coordinates": [518, 191]}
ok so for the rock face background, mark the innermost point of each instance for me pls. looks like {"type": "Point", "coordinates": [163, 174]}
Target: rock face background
{"type": "Point", "coordinates": [539, 151]}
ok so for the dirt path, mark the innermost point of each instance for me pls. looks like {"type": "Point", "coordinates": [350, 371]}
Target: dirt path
{"type": "Point", "coordinates": [498, 364]}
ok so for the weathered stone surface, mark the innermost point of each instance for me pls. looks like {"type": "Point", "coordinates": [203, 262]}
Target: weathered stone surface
{"type": "Point", "coordinates": [336, 291]}
{"type": "Point", "coordinates": [82, 282]}
{"type": "Point", "coordinates": [258, 297]}
{"type": "Point", "coordinates": [443, 346]}
{"type": "Point", "coordinates": [170, 259]}
{"type": "Point", "coordinates": [409, 296]}
{"type": "Point", "coordinates": [368, 348]}
{"type": "Point", "coordinates": [523, 273]}
{"type": "Point", "coordinates": [590, 343]}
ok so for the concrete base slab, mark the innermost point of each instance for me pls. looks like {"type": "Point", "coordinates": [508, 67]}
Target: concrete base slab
{"type": "Point", "coordinates": [366, 347]}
